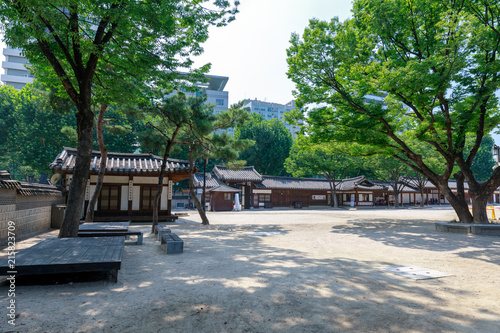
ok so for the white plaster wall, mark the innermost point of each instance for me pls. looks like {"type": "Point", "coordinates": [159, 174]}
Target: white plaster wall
{"type": "Point", "coordinates": [164, 198]}
{"type": "Point", "coordinates": [124, 199]}
{"type": "Point", "coordinates": [111, 179]}
{"type": "Point", "coordinates": [136, 197]}
{"type": "Point", "coordinates": [148, 180]}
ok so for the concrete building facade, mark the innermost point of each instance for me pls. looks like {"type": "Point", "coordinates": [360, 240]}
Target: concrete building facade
{"type": "Point", "coordinates": [270, 110]}
{"type": "Point", "coordinates": [15, 72]}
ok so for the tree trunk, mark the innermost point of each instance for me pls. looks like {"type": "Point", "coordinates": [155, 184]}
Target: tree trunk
{"type": "Point", "coordinates": [461, 209]}
{"type": "Point", "coordinates": [201, 211]}
{"type": "Point", "coordinates": [479, 213]}
{"type": "Point", "coordinates": [396, 199]}
{"type": "Point", "coordinates": [156, 202]}
{"type": "Point", "coordinates": [334, 197]}
{"type": "Point", "coordinates": [333, 190]}
{"type": "Point", "coordinates": [479, 195]}
{"type": "Point", "coordinates": [89, 216]}
{"type": "Point", "coordinates": [166, 155]}
{"type": "Point", "coordinates": [422, 196]}
{"type": "Point", "coordinates": [81, 171]}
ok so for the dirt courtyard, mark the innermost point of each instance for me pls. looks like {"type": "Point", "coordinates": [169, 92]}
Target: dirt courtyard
{"type": "Point", "coordinates": [282, 271]}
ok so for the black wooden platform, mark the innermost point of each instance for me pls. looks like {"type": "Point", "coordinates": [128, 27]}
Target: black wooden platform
{"type": "Point", "coordinates": [135, 218]}
{"type": "Point", "coordinates": [68, 255]}
{"type": "Point", "coordinates": [105, 226]}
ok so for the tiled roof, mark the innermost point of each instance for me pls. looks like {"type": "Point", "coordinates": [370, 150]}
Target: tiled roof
{"type": "Point", "coordinates": [29, 189]}
{"type": "Point", "coordinates": [248, 174]}
{"type": "Point", "coordinates": [401, 189]}
{"type": "Point", "coordinates": [360, 183]}
{"type": "Point", "coordinates": [274, 182]}
{"type": "Point", "coordinates": [119, 163]}
{"type": "Point", "coordinates": [223, 188]}
{"type": "Point", "coordinates": [210, 180]}
{"type": "Point", "coordinates": [5, 175]}
{"type": "Point", "coordinates": [452, 184]}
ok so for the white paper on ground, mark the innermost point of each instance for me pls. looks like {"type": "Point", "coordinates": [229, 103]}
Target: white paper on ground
{"type": "Point", "coordinates": [414, 272]}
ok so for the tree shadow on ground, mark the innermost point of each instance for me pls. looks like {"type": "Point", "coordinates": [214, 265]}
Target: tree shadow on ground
{"type": "Point", "coordinates": [229, 280]}
{"type": "Point", "coordinates": [421, 234]}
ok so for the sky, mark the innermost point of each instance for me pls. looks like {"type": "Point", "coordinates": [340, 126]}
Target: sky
{"type": "Point", "coordinates": [251, 50]}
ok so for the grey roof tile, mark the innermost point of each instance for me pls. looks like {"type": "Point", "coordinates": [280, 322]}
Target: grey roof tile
{"type": "Point", "coordinates": [119, 162]}
{"type": "Point", "coordinates": [246, 174]}
{"type": "Point", "coordinates": [210, 182]}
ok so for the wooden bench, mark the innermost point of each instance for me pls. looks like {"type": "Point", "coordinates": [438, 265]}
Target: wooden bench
{"type": "Point", "coordinates": [112, 233]}
{"type": "Point", "coordinates": [160, 229]}
{"type": "Point", "coordinates": [173, 243]}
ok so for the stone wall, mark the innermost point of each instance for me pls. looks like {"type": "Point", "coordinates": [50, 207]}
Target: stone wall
{"type": "Point", "coordinates": [29, 210]}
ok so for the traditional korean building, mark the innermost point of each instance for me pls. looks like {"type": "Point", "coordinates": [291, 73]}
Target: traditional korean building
{"type": "Point", "coordinates": [130, 183]}
{"type": "Point", "coordinates": [243, 179]}
{"type": "Point", "coordinates": [360, 191]}
{"type": "Point", "coordinates": [275, 191]}
{"type": "Point", "coordinates": [272, 191]}
{"type": "Point", "coordinates": [221, 197]}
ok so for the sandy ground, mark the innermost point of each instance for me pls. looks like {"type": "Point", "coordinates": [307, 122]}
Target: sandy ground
{"type": "Point", "coordinates": [316, 273]}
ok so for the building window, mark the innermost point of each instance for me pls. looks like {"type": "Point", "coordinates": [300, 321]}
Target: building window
{"type": "Point", "coordinates": [109, 198]}
{"type": "Point", "coordinates": [364, 197]}
{"type": "Point", "coordinates": [148, 194]}
{"type": "Point", "coordinates": [264, 197]}
{"type": "Point", "coordinates": [219, 101]}
{"type": "Point", "coordinates": [227, 196]}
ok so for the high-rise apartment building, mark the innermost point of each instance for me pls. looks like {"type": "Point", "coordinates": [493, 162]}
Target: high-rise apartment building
{"type": "Point", "coordinates": [214, 88]}
{"type": "Point", "coordinates": [15, 72]}
{"type": "Point", "coordinates": [270, 110]}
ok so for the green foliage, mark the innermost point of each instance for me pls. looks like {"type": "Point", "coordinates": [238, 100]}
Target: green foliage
{"type": "Point", "coordinates": [119, 135]}
{"type": "Point", "coordinates": [401, 75]}
{"type": "Point", "coordinates": [272, 144]}
{"type": "Point", "coordinates": [308, 159]}
{"type": "Point", "coordinates": [208, 137]}
{"type": "Point", "coordinates": [483, 163]}
{"type": "Point", "coordinates": [33, 135]}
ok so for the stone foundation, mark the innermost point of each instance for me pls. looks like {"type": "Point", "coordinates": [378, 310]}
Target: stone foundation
{"type": "Point", "coordinates": [475, 229]}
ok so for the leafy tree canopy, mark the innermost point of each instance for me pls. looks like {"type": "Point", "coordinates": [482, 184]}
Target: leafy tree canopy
{"type": "Point", "coordinates": [32, 135]}
{"type": "Point", "coordinates": [272, 144]}
{"type": "Point", "coordinates": [406, 71]}
{"type": "Point", "coordinates": [308, 159]}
